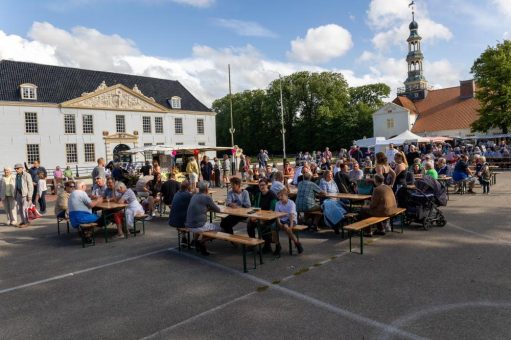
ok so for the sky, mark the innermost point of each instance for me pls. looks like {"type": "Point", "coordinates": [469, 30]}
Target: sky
{"type": "Point", "coordinates": [193, 41]}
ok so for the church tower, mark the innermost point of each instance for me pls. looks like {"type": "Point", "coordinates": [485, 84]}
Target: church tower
{"type": "Point", "coordinates": [416, 85]}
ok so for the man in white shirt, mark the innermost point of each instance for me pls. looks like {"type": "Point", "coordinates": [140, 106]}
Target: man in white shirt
{"type": "Point", "coordinates": [391, 152]}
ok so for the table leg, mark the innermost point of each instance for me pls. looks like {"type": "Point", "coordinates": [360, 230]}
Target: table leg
{"type": "Point", "coordinates": [104, 226]}
{"type": "Point", "coordinates": [361, 242]}
{"type": "Point", "coordinates": [244, 251]}
{"type": "Point", "coordinates": [349, 236]}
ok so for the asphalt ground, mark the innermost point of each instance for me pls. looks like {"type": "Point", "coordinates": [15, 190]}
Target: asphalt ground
{"type": "Point", "coordinates": [446, 283]}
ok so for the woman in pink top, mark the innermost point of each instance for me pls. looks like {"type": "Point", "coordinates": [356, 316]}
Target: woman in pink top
{"type": "Point", "coordinates": [58, 174]}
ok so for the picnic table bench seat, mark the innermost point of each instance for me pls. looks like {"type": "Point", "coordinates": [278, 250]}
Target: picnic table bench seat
{"type": "Point", "coordinates": [87, 228]}
{"type": "Point", "coordinates": [244, 241]}
{"type": "Point", "coordinates": [359, 227]}
{"type": "Point", "coordinates": [397, 212]}
{"type": "Point", "coordinates": [296, 230]}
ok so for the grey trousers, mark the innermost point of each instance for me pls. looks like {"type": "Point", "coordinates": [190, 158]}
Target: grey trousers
{"type": "Point", "coordinates": [23, 205]}
{"type": "Point", "coordinates": [10, 209]}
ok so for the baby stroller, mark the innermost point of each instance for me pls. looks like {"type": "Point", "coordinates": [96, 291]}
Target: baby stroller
{"type": "Point", "coordinates": [422, 203]}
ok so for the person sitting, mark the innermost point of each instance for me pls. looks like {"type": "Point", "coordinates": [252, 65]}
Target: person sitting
{"type": "Point", "coordinates": [153, 188]}
{"type": "Point", "coordinates": [61, 203]}
{"type": "Point", "coordinates": [442, 168]}
{"type": "Point", "coordinates": [236, 198]}
{"type": "Point", "coordinates": [58, 176]}
{"type": "Point", "coordinates": [383, 202]}
{"type": "Point", "coordinates": [289, 172]}
{"type": "Point", "coordinates": [277, 185]}
{"type": "Point", "coordinates": [306, 198]}
{"type": "Point", "coordinates": [325, 164]}
{"type": "Point", "coordinates": [110, 195]}
{"type": "Point", "coordinates": [128, 197]}
{"type": "Point", "coordinates": [68, 173]}
{"type": "Point", "coordinates": [327, 184]}
{"type": "Point", "coordinates": [265, 200]}
{"type": "Point", "coordinates": [342, 179]}
{"type": "Point", "coordinates": [268, 173]}
{"type": "Point", "coordinates": [196, 215]}
{"type": "Point", "coordinates": [430, 170]}
{"type": "Point", "coordinates": [99, 187]}
{"type": "Point", "coordinates": [169, 189]}
{"type": "Point", "coordinates": [287, 222]}
{"type": "Point", "coordinates": [463, 173]}
{"type": "Point", "coordinates": [356, 174]}
{"type": "Point", "coordinates": [80, 209]}
{"type": "Point", "coordinates": [180, 203]}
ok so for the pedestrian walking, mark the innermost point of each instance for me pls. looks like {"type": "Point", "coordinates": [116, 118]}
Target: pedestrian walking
{"type": "Point", "coordinates": [7, 195]}
{"type": "Point", "coordinates": [24, 190]}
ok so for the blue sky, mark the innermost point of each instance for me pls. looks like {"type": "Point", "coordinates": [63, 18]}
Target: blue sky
{"type": "Point", "coordinates": [193, 40]}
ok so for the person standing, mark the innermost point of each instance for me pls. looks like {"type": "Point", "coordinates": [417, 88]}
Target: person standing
{"type": "Point", "coordinates": [192, 170]}
{"type": "Point", "coordinates": [58, 175]}
{"type": "Point", "coordinates": [68, 173]}
{"type": "Point", "coordinates": [99, 171]}
{"type": "Point", "coordinates": [206, 169]}
{"type": "Point", "coordinates": [7, 195]}
{"type": "Point", "coordinates": [226, 167]}
{"type": "Point", "coordinates": [23, 192]}
{"type": "Point", "coordinates": [41, 192]}
{"type": "Point", "coordinates": [216, 169]}
{"type": "Point", "coordinates": [34, 173]}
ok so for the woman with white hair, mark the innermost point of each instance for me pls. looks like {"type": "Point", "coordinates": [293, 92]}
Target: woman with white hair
{"type": "Point", "coordinates": [129, 197]}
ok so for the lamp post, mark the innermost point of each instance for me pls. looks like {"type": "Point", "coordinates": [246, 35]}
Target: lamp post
{"type": "Point", "coordinates": [283, 130]}
{"type": "Point", "coordinates": [232, 129]}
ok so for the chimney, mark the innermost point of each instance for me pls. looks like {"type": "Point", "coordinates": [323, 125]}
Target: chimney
{"type": "Point", "coordinates": [467, 88]}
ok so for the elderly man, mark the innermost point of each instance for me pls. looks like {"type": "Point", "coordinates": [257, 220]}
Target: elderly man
{"type": "Point", "coordinates": [99, 170]}
{"type": "Point", "coordinates": [61, 204]}
{"type": "Point", "coordinates": [34, 173]}
{"type": "Point", "coordinates": [180, 203]}
{"type": "Point", "coordinates": [383, 202]}
{"type": "Point", "coordinates": [236, 198]}
{"type": "Point", "coordinates": [8, 195]}
{"type": "Point", "coordinates": [99, 187]}
{"type": "Point", "coordinates": [23, 192]}
{"type": "Point", "coordinates": [80, 207]}
{"type": "Point", "coordinates": [463, 173]}
{"type": "Point", "coordinates": [356, 174]}
{"type": "Point", "coordinates": [196, 215]}
{"type": "Point", "coordinates": [342, 179]}
{"type": "Point", "coordinates": [306, 198]}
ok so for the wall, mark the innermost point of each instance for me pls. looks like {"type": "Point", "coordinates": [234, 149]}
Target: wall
{"type": "Point", "coordinates": [402, 120]}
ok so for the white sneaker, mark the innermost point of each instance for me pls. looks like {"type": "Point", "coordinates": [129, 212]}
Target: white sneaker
{"type": "Point", "coordinates": [387, 226]}
{"type": "Point", "coordinates": [148, 218]}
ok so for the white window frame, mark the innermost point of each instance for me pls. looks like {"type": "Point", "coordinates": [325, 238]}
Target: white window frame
{"type": "Point", "coordinates": [148, 155]}
{"type": "Point", "coordinates": [89, 155]}
{"type": "Point", "coordinates": [28, 91]}
{"type": "Point", "coordinates": [202, 143]}
{"type": "Point", "coordinates": [69, 124]}
{"type": "Point", "coordinates": [117, 124]}
{"type": "Point", "coordinates": [390, 123]}
{"type": "Point", "coordinates": [176, 125]}
{"type": "Point", "coordinates": [146, 124]}
{"type": "Point", "coordinates": [175, 102]}
{"type": "Point", "coordinates": [201, 120]}
{"type": "Point", "coordinates": [86, 125]}
{"type": "Point", "coordinates": [69, 156]}
{"type": "Point", "coordinates": [30, 148]}
{"type": "Point", "coordinates": [35, 122]}
{"type": "Point", "coordinates": [158, 125]}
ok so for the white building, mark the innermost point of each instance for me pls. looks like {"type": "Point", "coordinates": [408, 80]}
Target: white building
{"type": "Point", "coordinates": [68, 116]}
{"type": "Point", "coordinates": [392, 119]}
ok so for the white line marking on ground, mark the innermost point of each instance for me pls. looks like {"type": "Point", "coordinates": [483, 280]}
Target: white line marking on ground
{"type": "Point", "coordinates": [439, 309]}
{"type": "Point", "coordinates": [86, 270]}
{"type": "Point", "coordinates": [290, 292]}
{"type": "Point", "coordinates": [478, 234]}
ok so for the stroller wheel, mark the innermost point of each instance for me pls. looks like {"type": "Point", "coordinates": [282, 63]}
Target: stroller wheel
{"type": "Point", "coordinates": [441, 222]}
{"type": "Point", "coordinates": [426, 223]}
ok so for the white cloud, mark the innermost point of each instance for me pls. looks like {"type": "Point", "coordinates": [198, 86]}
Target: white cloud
{"type": "Point", "coordinates": [245, 28]}
{"type": "Point", "coordinates": [196, 3]}
{"type": "Point", "coordinates": [321, 44]}
{"type": "Point", "coordinates": [391, 23]}
{"type": "Point", "coordinates": [504, 6]}
{"type": "Point", "coordinates": [366, 56]}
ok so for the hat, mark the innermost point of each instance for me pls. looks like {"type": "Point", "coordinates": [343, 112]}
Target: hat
{"type": "Point", "coordinates": [18, 165]}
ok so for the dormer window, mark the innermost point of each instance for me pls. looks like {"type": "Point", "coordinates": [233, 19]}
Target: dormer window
{"type": "Point", "coordinates": [28, 91]}
{"type": "Point", "coordinates": [175, 102]}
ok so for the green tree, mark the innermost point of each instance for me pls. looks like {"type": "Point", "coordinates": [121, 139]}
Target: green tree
{"type": "Point", "coordinates": [492, 73]}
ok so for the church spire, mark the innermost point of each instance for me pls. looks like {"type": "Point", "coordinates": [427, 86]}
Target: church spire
{"type": "Point", "coordinates": [416, 85]}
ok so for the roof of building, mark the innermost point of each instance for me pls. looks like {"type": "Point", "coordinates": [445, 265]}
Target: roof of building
{"type": "Point", "coordinates": [56, 84]}
{"type": "Point", "coordinates": [442, 109]}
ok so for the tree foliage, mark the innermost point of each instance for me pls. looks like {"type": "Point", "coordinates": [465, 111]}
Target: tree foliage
{"type": "Point", "coordinates": [320, 109]}
{"type": "Point", "coordinates": [492, 73]}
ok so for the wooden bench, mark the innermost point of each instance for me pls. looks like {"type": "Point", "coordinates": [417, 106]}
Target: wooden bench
{"type": "Point", "coordinates": [139, 218]}
{"type": "Point", "coordinates": [296, 230]}
{"type": "Point", "coordinates": [86, 228]}
{"type": "Point", "coordinates": [360, 226]}
{"type": "Point", "coordinates": [60, 220]}
{"type": "Point", "coordinates": [244, 241]}
{"type": "Point", "coordinates": [398, 212]}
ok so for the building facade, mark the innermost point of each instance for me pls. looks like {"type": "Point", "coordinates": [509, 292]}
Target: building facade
{"type": "Point", "coordinates": [68, 116]}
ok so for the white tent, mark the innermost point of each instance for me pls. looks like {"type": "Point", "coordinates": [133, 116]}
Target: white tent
{"type": "Point", "coordinates": [369, 142]}
{"type": "Point", "coordinates": [407, 137]}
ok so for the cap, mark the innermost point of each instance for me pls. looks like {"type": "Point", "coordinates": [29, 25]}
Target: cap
{"type": "Point", "coordinates": [18, 165]}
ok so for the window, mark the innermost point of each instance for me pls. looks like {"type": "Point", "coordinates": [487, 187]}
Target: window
{"type": "Point", "coordinates": [31, 122]}
{"type": "Point", "coordinates": [175, 102]}
{"type": "Point", "coordinates": [179, 143]}
{"type": "Point", "coordinates": [32, 153]}
{"type": "Point", "coordinates": [158, 124]}
{"type": "Point", "coordinates": [202, 144]}
{"type": "Point", "coordinates": [89, 152]}
{"type": "Point", "coordinates": [69, 124]}
{"type": "Point", "coordinates": [28, 91]}
{"type": "Point", "coordinates": [120, 124]}
{"type": "Point", "coordinates": [148, 154]}
{"type": "Point", "coordinates": [88, 124]}
{"type": "Point", "coordinates": [71, 153]}
{"type": "Point", "coordinates": [178, 125]}
{"type": "Point", "coordinates": [200, 126]}
{"type": "Point", "coordinates": [390, 123]}
{"type": "Point", "coordinates": [146, 124]}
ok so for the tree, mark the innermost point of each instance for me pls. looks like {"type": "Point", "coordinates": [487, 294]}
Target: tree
{"type": "Point", "coordinates": [492, 73]}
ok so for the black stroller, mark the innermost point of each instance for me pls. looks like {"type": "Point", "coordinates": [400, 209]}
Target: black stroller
{"type": "Point", "coordinates": [422, 203]}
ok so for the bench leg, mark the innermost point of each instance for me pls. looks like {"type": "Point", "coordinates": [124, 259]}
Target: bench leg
{"type": "Point", "coordinates": [361, 242]}
{"type": "Point", "coordinates": [260, 254]}
{"type": "Point", "coordinates": [179, 240]}
{"type": "Point", "coordinates": [290, 247]}
{"type": "Point", "coordinates": [58, 227]}
{"type": "Point", "coordinates": [244, 251]}
{"type": "Point", "coordinates": [105, 230]}
{"type": "Point", "coordinates": [349, 236]}
{"type": "Point", "coordinates": [188, 240]}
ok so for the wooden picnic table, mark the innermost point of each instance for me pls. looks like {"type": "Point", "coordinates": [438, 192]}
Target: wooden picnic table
{"type": "Point", "coordinates": [260, 215]}
{"type": "Point", "coordinates": [107, 209]}
{"type": "Point", "coordinates": [350, 197]}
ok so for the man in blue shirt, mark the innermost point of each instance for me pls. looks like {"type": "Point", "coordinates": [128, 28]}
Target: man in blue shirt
{"type": "Point", "coordinates": [236, 198]}
{"type": "Point", "coordinates": [180, 204]}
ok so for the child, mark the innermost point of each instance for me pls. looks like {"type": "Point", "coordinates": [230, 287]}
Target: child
{"type": "Point", "coordinates": [41, 192]}
{"type": "Point", "coordinates": [287, 222]}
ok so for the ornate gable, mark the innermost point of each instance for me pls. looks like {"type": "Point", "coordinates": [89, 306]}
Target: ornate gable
{"type": "Point", "coordinates": [116, 97]}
